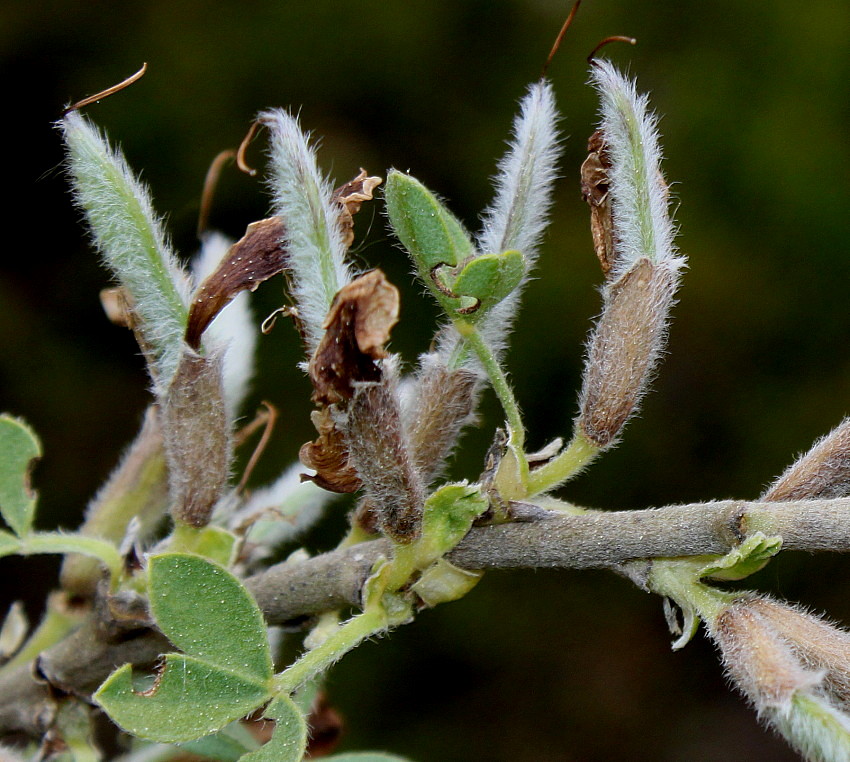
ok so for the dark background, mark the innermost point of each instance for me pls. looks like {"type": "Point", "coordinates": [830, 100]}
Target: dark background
{"type": "Point", "coordinates": [755, 99]}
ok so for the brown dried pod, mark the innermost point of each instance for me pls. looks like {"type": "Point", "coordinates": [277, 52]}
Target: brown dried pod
{"type": "Point", "coordinates": [624, 348]}
{"type": "Point", "coordinates": [379, 449]}
{"type": "Point", "coordinates": [823, 472]}
{"type": "Point", "coordinates": [443, 404]}
{"type": "Point", "coordinates": [196, 432]}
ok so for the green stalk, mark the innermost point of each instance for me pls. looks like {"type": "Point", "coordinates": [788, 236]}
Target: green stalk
{"type": "Point", "coordinates": [569, 462]}
{"type": "Point", "coordinates": [347, 637]}
{"type": "Point", "coordinates": [502, 388]}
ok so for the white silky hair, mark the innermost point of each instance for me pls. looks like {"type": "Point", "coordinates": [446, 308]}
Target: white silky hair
{"type": "Point", "coordinates": [313, 240]}
{"type": "Point", "coordinates": [283, 509]}
{"type": "Point", "coordinates": [519, 212]}
{"type": "Point", "coordinates": [643, 225]}
{"type": "Point", "coordinates": [130, 238]}
{"type": "Point", "coordinates": [232, 329]}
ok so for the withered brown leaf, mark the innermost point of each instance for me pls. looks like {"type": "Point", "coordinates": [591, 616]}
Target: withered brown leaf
{"type": "Point", "coordinates": [350, 196]}
{"type": "Point", "coordinates": [252, 260]}
{"type": "Point", "coordinates": [594, 190]}
{"type": "Point", "coordinates": [357, 327]}
{"type": "Point", "coordinates": [328, 456]}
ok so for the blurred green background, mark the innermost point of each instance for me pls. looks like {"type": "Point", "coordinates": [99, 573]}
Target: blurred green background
{"type": "Point", "coordinates": [754, 98]}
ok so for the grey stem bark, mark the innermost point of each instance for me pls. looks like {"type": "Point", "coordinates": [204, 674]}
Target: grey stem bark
{"type": "Point", "coordinates": [290, 592]}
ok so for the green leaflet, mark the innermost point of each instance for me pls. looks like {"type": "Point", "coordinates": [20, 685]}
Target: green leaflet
{"type": "Point", "coordinates": [212, 542]}
{"type": "Point", "coordinates": [289, 740]}
{"type": "Point", "coordinates": [191, 698]}
{"type": "Point", "coordinates": [19, 446]}
{"type": "Point", "coordinates": [448, 516]}
{"type": "Point", "coordinates": [228, 745]}
{"type": "Point", "coordinates": [227, 670]}
{"type": "Point", "coordinates": [206, 612]}
{"type": "Point", "coordinates": [57, 542]}
{"type": "Point", "coordinates": [490, 278]}
{"type": "Point", "coordinates": [429, 231]}
{"type": "Point", "coordinates": [749, 557]}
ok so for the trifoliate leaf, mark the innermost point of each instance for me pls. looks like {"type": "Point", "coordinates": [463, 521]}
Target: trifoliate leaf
{"type": "Point", "coordinates": [226, 672]}
{"type": "Point", "coordinates": [19, 447]}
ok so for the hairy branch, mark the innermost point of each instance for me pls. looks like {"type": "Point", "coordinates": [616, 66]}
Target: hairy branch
{"type": "Point", "coordinates": [289, 592]}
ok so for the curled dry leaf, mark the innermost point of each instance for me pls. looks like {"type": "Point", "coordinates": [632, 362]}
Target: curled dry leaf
{"type": "Point", "coordinates": [595, 185]}
{"type": "Point", "coordinates": [350, 196]}
{"type": "Point", "coordinates": [356, 329]}
{"type": "Point", "coordinates": [328, 456]}
{"type": "Point", "coordinates": [252, 260]}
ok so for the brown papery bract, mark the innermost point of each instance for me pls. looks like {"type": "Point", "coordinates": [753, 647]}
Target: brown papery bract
{"type": "Point", "coordinates": [356, 329]}
{"type": "Point", "coordinates": [595, 185]}
{"type": "Point", "coordinates": [252, 260]}
{"type": "Point", "coordinates": [328, 456]}
{"type": "Point", "coordinates": [350, 196]}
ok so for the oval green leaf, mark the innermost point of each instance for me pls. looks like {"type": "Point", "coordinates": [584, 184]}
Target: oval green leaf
{"type": "Point", "coordinates": [19, 447]}
{"type": "Point", "coordinates": [190, 698]}
{"type": "Point", "coordinates": [426, 228]}
{"type": "Point", "coordinates": [448, 516]}
{"type": "Point", "coordinates": [490, 277]}
{"type": "Point", "coordinates": [207, 612]}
